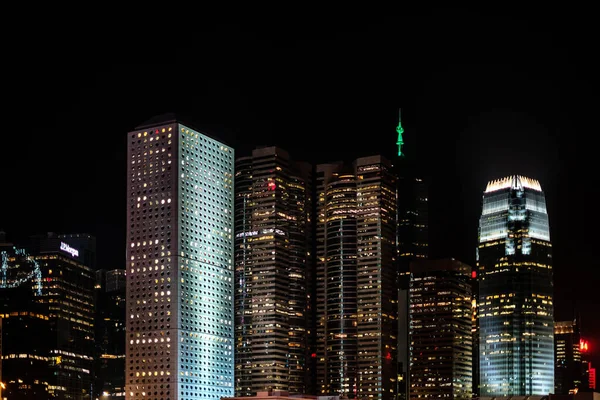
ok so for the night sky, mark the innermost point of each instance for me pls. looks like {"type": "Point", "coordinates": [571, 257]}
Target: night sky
{"type": "Point", "coordinates": [484, 94]}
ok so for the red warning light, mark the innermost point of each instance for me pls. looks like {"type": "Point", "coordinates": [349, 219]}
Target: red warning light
{"type": "Point", "coordinates": [473, 274]}
{"type": "Point", "coordinates": [271, 185]}
{"type": "Point", "coordinates": [314, 355]}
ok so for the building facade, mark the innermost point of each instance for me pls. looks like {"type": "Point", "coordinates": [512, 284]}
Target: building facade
{"type": "Point", "coordinates": [109, 358]}
{"type": "Point", "coordinates": [179, 263]}
{"type": "Point", "coordinates": [356, 279]}
{"type": "Point", "coordinates": [440, 330]}
{"type": "Point", "coordinates": [273, 269]}
{"type": "Point", "coordinates": [568, 371]}
{"type": "Point", "coordinates": [515, 305]}
{"type": "Point", "coordinates": [47, 307]}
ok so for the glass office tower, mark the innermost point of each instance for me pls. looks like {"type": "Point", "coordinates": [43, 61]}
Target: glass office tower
{"type": "Point", "coordinates": [273, 263]}
{"type": "Point", "coordinates": [516, 324]}
{"type": "Point", "coordinates": [179, 263]}
{"type": "Point", "coordinates": [357, 298]}
{"type": "Point", "coordinates": [440, 329]}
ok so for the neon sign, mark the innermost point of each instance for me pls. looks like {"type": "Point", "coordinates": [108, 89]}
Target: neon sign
{"type": "Point", "coordinates": [65, 247]}
{"type": "Point", "coordinates": [583, 346]}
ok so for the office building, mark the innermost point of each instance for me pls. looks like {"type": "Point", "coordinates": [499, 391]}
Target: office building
{"type": "Point", "coordinates": [440, 330]}
{"type": "Point", "coordinates": [356, 279]}
{"type": "Point", "coordinates": [109, 359]}
{"type": "Point", "coordinates": [412, 238]}
{"type": "Point", "coordinates": [47, 308]}
{"type": "Point", "coordinates": [413, 206]}
{"type": "Point", "coordinates": [273, 265]}
{"type": "Point", "coordinates": [568, 371]}
{"type": "Point", "coordinates": [515, 307]}
{"type": "Point", "coordinates": [179, 263]}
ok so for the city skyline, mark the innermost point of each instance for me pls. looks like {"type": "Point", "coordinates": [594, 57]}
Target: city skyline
{"type": "Point", "coordinates": [511, 100]}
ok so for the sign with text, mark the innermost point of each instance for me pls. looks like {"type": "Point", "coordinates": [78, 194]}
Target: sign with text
{"type": "Point", "coordinates": [65, 247]}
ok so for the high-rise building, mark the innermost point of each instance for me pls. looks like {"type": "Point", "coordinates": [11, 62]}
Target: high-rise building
{"type": "Point", "coordinates": [114, 280]}
{"type": "Point", "coordinates": [412, 227]}
{"type": "Point", "coordinates": [440, 329]}
{"type": "Point", "coordinates": [568, 370]}
{"type": "Point", "coordinates": [356, 279]}
{"type": "Point", "coordinates": [179, 263]}
{"type": "Point", "coordinates": [273, 218]}
{"type": "Point", "coordinates": [47, 308]}
{"type": "Point", "coordinates": [109, 371]}
{"type": "Point", "coordinates": [515, 309]}
{"type": "Point", "coordinates": [413, 206]}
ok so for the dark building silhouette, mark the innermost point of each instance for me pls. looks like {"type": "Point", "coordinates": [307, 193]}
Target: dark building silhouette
{"type": "Point", "coordinates": [412, 237]}
{"type": "Point", "coordinates": [109, 357]}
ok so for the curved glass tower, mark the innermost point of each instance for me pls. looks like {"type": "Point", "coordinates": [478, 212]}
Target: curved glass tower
{"type": "Point", "coordinates": [514, 257]}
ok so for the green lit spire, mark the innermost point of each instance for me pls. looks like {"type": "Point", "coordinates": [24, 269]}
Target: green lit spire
{"type": "Point", "coordinates": [400, 130]}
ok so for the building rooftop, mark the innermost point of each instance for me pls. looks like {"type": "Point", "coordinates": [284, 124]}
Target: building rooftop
{"type": "Point", "coordinates": [220, 134]}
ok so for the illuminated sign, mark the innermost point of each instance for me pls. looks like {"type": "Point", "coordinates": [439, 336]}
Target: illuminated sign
{"type": "Point", "coordinates": [583, 346]}
{"type": "Point", "coordinates": [65, 247]}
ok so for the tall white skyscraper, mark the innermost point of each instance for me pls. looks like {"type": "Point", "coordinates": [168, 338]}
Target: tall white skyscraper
{"type": "Point", "coordinates": [180, 270]}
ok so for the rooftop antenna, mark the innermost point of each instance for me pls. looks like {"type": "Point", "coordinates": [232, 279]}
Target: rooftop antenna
{"type": "Point", "coordinates": [400, 130]}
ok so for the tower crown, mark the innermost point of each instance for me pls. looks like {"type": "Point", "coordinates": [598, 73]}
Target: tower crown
{"type": "Point", "coordinates": [514, 182]}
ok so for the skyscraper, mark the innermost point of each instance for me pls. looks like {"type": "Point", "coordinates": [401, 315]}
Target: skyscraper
{"type": "Point", "coordinates": [516, 324]}
{"type": "Point", "coordinates": [356, 279]}
{"type": "Point", "coordinates": [179, 263]}
{"type": "Point", "coordinates": [273, 218]}
{"type": "Point", "coordinates": [440, 329]}
{"type": "Point", "coordinates": [412, 228]}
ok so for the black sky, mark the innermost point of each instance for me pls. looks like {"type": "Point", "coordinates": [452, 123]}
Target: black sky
{"type": "Point", "coordinates": [484, 94]}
